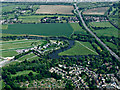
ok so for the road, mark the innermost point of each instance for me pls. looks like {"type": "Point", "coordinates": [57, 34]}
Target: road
{"type": "Point", "coordinates": [111, 52]}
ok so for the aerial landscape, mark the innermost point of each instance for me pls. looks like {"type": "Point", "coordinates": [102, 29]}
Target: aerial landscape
{"type": "Point", "coordinates": [62, 44]}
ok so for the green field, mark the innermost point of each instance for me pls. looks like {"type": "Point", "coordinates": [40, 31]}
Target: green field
{"type": "Point", "coordinates": [10, 7]}
{"type": "Point", "coordinates": [23, 73]}
{"type": "Point", "coordinates": [111, 45]}
{"type": "Point", "coordinates": [107, 32]}
{"type": "Point", "coordinates": [8, 48]}
{"type": "Point", "coordinates": [77, 29]}
{"type": "Point", "coordinates": [27, 57]}
{"type": "Point", "coordinates": [80, 48]}
{"type": "Point", "coordinates": [101, 24]}
{"type": "Point", "coordinates": [9, 53]}
{"type": "Point", "coordinates": [56, 29]}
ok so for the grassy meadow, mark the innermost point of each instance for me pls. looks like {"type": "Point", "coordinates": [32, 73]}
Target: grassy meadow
{"type": "Point", "coordinates": [80, 48]}
{"type": "Point", "coordinates": [77, 29]}
{"type": "Point", "coordinates": [8, 48]}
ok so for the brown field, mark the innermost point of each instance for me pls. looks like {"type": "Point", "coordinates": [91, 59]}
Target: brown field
{"type": "Point", "coordinates": [96, 11]}
{"type": "Point", "coordinates": [53, 9]}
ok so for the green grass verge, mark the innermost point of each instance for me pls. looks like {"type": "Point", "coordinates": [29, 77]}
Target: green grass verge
{"type": "Point", "coordinates": [80, 48]}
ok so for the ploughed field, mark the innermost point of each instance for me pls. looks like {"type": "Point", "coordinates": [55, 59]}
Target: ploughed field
{"type": "Point", "coordinates": [53, 9]}
{"type": "Point", "coordinates": [96, 11]}
{"type": "Point", "coordinates": [54, 29]}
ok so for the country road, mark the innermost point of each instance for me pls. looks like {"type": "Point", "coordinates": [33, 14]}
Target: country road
{"type": "Point", "coordinates": [111, 52]}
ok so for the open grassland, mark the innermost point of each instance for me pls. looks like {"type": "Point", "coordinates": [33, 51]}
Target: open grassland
{"type": "Point", "coordinates": [53, 9]}
{"type": "Point", "coordinates": [101, 24]}
{"type": "Point", "coordinates": [9, 53]}
{"type": "Point", "coordinates": [77, 29]}
{"type": "Point", "coordinates": [11, 7]}
{"type": "Point", "coordinates": [96, 11]}
{"type": "Point", "coordinates": [8, 48]}
{"type": "Point", "coordinates": [55, 29]}
{"type": "Point", "coordinates": [13, 45]}
{"type": "Point", "coordinates": [23, 73]}
{"type": "Point", "coordinates": [107, 32]}
{"type": "Point", "coordinates": [80, 48]}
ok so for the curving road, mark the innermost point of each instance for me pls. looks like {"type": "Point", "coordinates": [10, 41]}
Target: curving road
{"type": "Point", "coordinates": [111, 52]}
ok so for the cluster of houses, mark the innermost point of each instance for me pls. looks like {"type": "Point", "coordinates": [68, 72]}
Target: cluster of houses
{"type": "Point", "coordinates": [59, 20]}
{"type": "Point", "coordinates": [43, 49]}
{"type": "Point", "coordinates": [95, 19]}
{"type": "Point", "coordinates": [44, 83]}
{"type": "Point", "coordinates": [74, 74]}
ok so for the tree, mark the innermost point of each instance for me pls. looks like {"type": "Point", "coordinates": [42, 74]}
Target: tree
{"type": "Point", "coordinates": [69, 85]}
{"type": "Point", "coordinates": [7, 87]}
{"type": "Point", "coordinates": [30, 74]}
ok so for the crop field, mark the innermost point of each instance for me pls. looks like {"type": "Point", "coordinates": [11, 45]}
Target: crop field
{"type": "Point", "coordinates": [77, 29]}
{"type": "Point", "coordinates": [53, 9]}
{"type": "Point", "coordinates": [101, 24]}
{"type": "Point", "coordinates": [55, 29]}
{"type": "Point", "coordinates": [80, 48]}
{"type": "Point", "coordinates": [96, 11]}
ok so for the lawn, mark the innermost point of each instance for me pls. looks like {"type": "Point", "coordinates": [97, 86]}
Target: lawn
{"type": "Point", "coordinates": [80, 48]}
{"type": "Point", "coordinates": [23, 73]}
{"type": "Point", "coordinates": [55, 29]}
{"type": "Point", "coordinates": [101, 24]}
{"type": "Point", "coordinates": [77, 29]}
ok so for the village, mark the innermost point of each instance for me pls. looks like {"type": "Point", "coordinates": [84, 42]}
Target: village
{"type": "Point", "coordinates": [96, 18]}
{"type": "Point", "coordinates": [81, 76]}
